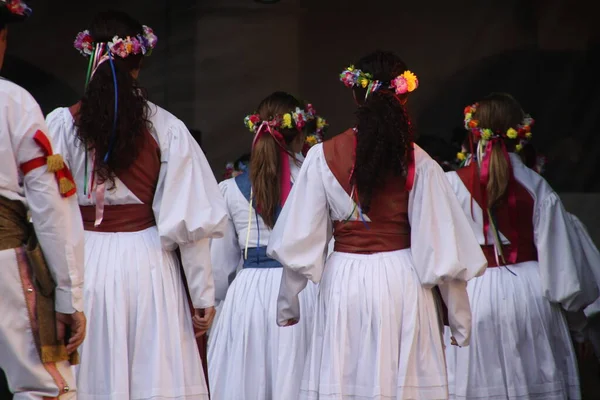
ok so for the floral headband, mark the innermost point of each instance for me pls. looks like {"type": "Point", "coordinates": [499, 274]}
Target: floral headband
{"type": "Point", "coordinates": [319, 133]}
{"type": "Point", "coordinates": [297, 118]}
{"type": "Point", "coordinates": [521, 132]}
{"type": "Point", "coordinates": [140, 44]}
{"type": "Point", "coordinates": [403, 83]}
{"type": "Point", "coordinates": [234, 169]}
{"type": "Point", "coordinates": [16, 7]}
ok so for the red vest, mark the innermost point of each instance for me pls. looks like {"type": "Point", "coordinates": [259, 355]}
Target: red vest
{"type": "Point", "coordinates": [389, 229]}
{"type": "Point", "coordinates": [526, 250]}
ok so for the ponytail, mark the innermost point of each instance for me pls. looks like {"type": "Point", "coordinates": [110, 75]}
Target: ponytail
{"type": "Point", "coordinates": [499, 175]}
{"type": "Point", "coordinates": [264, 177]}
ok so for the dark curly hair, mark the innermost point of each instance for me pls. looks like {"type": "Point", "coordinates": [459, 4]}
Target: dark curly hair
{"type": "Point", "coordinates": [94, 120]}
{"type": "Point", "coordinates": [384, 133]}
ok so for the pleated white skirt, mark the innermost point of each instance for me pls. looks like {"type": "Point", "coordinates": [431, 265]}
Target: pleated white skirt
{"type": "Point", "coordinates": [249, 356]}
{"type": "Point", "coordinates": [520, 343]}
{"type": "Point", "coordinates": [376, 333]}
{"type": "Point", "coordinates": [140, 342]}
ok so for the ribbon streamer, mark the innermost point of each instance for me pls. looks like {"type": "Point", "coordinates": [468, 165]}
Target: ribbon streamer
{"type": "Point", "coordinates": [285, 181]}
{"type": "Point", "coordinates": [513, 234]}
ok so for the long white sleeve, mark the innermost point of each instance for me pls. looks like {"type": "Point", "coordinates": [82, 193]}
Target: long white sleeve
{"type": "Point", "coordinates": [566, 277]}
{"type": "Point", "coordinates": [301, 236]}
{"type": "Point", "coordinates": [225, 252]}
{"type": "Point", "coordinates": [189, 207]}
{"type": "Point", "coordinates": [444, 248]}
{"type": "Point", "coordinates": [57, 220]}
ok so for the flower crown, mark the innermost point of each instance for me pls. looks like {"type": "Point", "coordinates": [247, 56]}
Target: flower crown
{"type": "Point", "coordinates": [234, 169]}
{"type": "Point", "coordinates": [296, 119]}
{"type": "Point", "coordinates": [521, 132]}
{"type": "Point", "coordinates": [140, 44]}
{"type": "Point", "coordinates": [16, 7]}
{"type": "Point", "coordinates": [403, 83]}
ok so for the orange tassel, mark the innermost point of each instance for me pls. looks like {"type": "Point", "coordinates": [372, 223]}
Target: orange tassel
{"type": "Point", "coordinates": [55, 163]}
{"type": "Point", "coordinates": [65, 185]}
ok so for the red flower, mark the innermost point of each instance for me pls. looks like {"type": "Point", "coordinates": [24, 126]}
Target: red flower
{"type": "Point", "coordinates": [472, 123]}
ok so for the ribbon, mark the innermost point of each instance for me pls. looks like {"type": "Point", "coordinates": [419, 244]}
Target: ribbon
{"type": "Point", "coordinates": [285, 173]}
{"type": "Point", "coordinates": [513, 234]}
{"type": "Point", "coordinates": [54, 163]}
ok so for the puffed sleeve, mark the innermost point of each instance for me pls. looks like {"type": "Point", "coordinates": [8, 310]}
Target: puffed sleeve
{"type": "Point", "coordinates": [444, 248]}
{"type": "Point", "coordinates": [189, 209]}
{"type": "Point", "coordinates": [56, 220]}
{"type": "Point", "coordinates": [592, 259]}
{"type": "Point", "coordinates": [301, 236]}
{"type": "Point", "coordinates": [225, 252]}
{"type": "Point", "coordinates": [566, 277]}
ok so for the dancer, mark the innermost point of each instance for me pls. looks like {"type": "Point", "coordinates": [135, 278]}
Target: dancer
{"type": "Point", "coordinates": [145, 189]}
{"type": "Point", "coordinates": [250, 357]}
{"type": "Point", "coordinates": [398, 232]}
{"type": "Point", "coordinates": [520, 345]}
{"type": "Point", "coordinates": [39, 300]}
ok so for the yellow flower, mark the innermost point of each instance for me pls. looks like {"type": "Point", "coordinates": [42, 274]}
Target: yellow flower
{"type": "Point", "coordinates": [311, 140]}
{"type": "Point", "coordinates": [519, 147]}
{"type": "Point", "coordinates": [364, 82]}
{"type": "Point", "coordinates": [351, 68]}
{"type": "Point", "coordinates": [287, 121]}
{"type": "Point", "coordinates": [511, 133]}
{"type": "Point", "coordinates": [528, 135]}
{"type": "Point", "coordinates": [321, 123]}
{"type": "Point", "coordinates": [251, 126]}
{"type": "Point", "coordinates": [411, 80]}
{"type": "Point", "coordinates": [468, 116]}
{"type": "Point", "coordinates": [486, 134]}
{"type": "Point", "coordinates": [461, 156]}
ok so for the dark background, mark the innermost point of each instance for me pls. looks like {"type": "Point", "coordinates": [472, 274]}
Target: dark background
{"type": "Point", "coordinates": [216, 59]}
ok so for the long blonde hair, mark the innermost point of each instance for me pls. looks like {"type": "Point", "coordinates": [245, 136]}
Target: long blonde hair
{"type": "Point", "coordinates": [498, 112]}
{"type": "Point", "coordinates": [265, 160]}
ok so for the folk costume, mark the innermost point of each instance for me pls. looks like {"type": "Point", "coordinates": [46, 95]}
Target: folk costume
{"type": "Point", "coordinates": [376, 333]}
{"type": "Point", "coordinates": [250, 357]}
{"type": "Point", "coordinates": [140, 342]}
{"type": "Point", "coordinates": [42, 261]}
{"type": "Point", "coordinates": [520, 343]}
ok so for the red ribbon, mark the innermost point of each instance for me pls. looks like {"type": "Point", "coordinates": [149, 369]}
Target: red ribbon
{"type": "Point", "coordinates": [285, 175]}
{"type": "Point", "coordinates": [62, 174]}
{"type": "Point", "coordinates": [513, 234]}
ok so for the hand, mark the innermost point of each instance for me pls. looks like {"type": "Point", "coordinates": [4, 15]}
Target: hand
{"type": "Point", "coordinates": [77, 323]}
{"type": "Point", "coordinates": [291, 322]}
{"type": "Point", "coordinates": [453, 341]}
{"type": "Point", "coordinates": [203, 319]}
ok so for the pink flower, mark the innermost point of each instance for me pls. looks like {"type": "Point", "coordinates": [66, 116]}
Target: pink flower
{"type": "Point", "coordinates": [118, 48]}
{"type": "Point", "coordinates": [400, 84]}
{"type": "Point", "coordinates": [84, 43]}
{"type": "Point", "coordinates": [136, 46]}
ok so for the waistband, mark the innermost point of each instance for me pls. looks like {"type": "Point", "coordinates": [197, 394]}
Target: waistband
{"type": "Point", "coordinates": [119, 218]}
{"type": "Point", "coordinates": [257, 258]}
{"type": "Point", "coordinates": [524, 255]}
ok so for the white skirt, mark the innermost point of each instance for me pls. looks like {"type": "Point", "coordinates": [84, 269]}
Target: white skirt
{"type": "Point", "coordinates": [376, 333]}
{"type": "Point", "coordinates": [249, 356]}
{"type": "Point", "coordinates": [140, 342]}
{"type": "Point", "coordinates": [520, 343]}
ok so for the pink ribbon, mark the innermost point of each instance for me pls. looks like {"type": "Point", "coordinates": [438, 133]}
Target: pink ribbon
{"type": "Point", "coordinates": [100, 193]}
{"type": "Point", "coordinates": [285, 175]}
